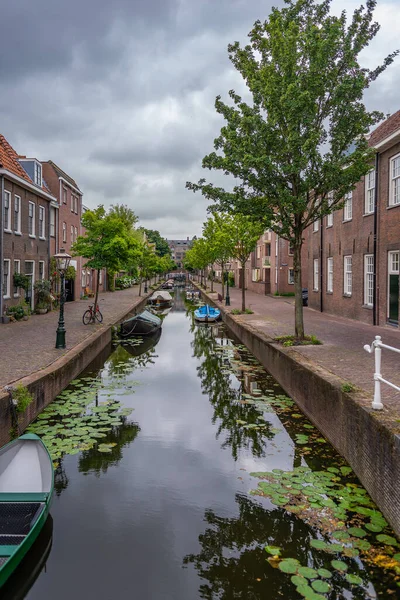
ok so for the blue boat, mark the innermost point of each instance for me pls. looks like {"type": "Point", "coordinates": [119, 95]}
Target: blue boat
{"type": "Point", "coordinates": [207, 314]}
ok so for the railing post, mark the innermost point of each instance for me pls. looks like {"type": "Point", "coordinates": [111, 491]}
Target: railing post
{"type": "Point", "coordinates": [377, 403]}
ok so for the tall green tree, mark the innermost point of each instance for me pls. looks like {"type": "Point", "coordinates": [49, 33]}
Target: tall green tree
{"type": "Point", "coordinates": [219, 240]}
{"type": "Point", "coordinates": [162, 248]}
{"type": "Point", "coordinates": [107, 243]}
{"type": "Point", "coordinates": [300, 146]}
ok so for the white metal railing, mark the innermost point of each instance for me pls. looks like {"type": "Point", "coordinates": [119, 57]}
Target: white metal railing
{"type": "Point", "coordinates": [376, 347]}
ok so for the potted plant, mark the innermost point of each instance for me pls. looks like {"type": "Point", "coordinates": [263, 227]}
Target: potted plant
{"type": "Point", "coordinates": [43, 295]}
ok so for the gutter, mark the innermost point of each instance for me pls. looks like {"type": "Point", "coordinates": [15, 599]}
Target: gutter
{"type": "Point", "coordinates": [1, 244]}
{"type": "Point", "coordinates": [77, 190]}
{"type": "Point", "coordinates": [375, 320]}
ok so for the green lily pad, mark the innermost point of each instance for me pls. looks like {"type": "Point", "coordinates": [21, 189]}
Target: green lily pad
{"type": "Point", "coordinates": [289, 565]}
{"type": "Point", "coordinates": [307, 572]}
{"type": "Point", "coordinates": [298, 581]}
{"type": "Point", "coordinates": [354, 579]}
{"type": "Point", "coordinates": [339, 565]}
{"type": "Point", "coordinates": [373, 527]}
{"type": "Point", "coordinates": [341, 535]}
{"type": "Point", "coordinates": [319, 544]}
{"type": "Point", "coordinates": [357, 532]}
{"type": "Point", "coordinates": [320, 586]}
{"type": "Point", "coordinates": [386, 539]}
{"type": "Point", "coordinates": [362, 545]}
{"type": "Point", "coordinates": [324, 573]}
{"type": "Point", "coordinates": [274, 550]}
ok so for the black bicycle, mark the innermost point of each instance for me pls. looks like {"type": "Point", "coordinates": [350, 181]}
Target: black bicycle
{"type": "Point", "coordinates": [90, 315]}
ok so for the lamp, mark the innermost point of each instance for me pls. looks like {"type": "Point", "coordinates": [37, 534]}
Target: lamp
{"type": "Point", "coordinates": [62, 260]}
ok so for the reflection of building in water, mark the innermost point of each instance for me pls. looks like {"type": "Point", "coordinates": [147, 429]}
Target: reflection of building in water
{"type": "Point", "coordinates": [179, 300]}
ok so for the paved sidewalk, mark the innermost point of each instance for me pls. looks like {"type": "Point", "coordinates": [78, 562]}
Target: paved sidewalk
{"type": "Point", "coordinates": [29, 346]}
{"type": "Point", "coordinates": [343, 339]}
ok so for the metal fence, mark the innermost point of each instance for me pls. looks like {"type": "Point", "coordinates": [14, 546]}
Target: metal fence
{"type": "Point", "coordinates": [376, 347]}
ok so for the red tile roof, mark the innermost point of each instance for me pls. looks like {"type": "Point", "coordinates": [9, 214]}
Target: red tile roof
{"type": "Point", "coordinates": [9, 160]}
{"type": "Point", "coordinates": [385, 129]}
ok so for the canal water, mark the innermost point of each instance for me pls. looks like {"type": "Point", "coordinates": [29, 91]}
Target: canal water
{"type": "Point", "coordinates": [169, 510]}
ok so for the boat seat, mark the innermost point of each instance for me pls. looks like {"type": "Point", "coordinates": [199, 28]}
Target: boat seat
{"type": "Point", "coordinates": [23, 473]}
{"type": "Point", "coordinates": [17, 518]}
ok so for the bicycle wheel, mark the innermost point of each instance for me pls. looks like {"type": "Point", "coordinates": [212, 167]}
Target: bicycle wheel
{"type": "Point", "coordinates": [99, 316]}
{"type": "Point", "coordinates": [87, 317]}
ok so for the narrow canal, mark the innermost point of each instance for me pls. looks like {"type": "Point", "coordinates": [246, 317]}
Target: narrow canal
{"type": "Point", "coordinates": [162, 505]}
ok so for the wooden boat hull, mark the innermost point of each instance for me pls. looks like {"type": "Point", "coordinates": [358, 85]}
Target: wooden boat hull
{"type": "Point", "coordinates": [26, 471]}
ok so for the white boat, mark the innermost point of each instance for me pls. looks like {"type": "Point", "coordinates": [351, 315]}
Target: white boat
{"type": "Point", "coordinates": [161, 299]}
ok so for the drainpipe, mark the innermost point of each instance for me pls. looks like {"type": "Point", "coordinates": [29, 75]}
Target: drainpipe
{"type": "Point", "coordinates": [321, 267]}
{"type": "Point", "coordinates": [375, 319]}
{"type": "Point", "coordinates": [1, 247]}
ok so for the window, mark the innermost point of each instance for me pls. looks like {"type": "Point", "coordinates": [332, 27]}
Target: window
{"type": "Point", "coordinates": [72, 234]}
{"type": "Point", "coordinates": [64, 232]}
{"type": "Point", "coordinates": [76, 204]}
{"type": "Point", "coordinates": [267, 249]}
{"type": "Point", "coordinates": [369, 192]}
{"type": "Point", "coordinates": [329, 218]}
{"type": "Point", "coordinates": [41, 270]}
{"type": "Point", "coordinates": [348, 275]}
{"type": "Point", "coordinates": [291, 249]}
{"type": "Point", "coordinates": [76, 233]}
{"type": "Point", "coordinates": [258, 251]}
{"type": "Point", "coordinates": [38, 174]}
{"type": "Point", "coordinates": [6, 278]}
{"type": "Point", "coordinates": [348, 207]}
{"type": "Point", "coordinates": [256, 275]}
{"type": "Point", "coordinates": [101, 278]}
{"type": "Point", "coordinates": [83, 278]}
{"type": "Point", "coordinates": [276, 246]}
{"type": "Point", "coordinates": [17, 214]}
{"type": "Point", "coordinates": [291, 276]}
{"type": "Point", "coordinates": [52, 221]}
{"type": "Point", "coordinates": [315, 225]}
{"type": "Point", "coordinates": [394, 262]}
{"type": "Point", "coordinates": [329, 279]}
{"type": "Point", "coordinates": [394, 197]}
{"type": "Point", "coordinates": [41, 223]}
{"type": "Point", "coordinates": [369, 280]}
{"type": "Point", "coordinates": [7, 223]}
{"type": "Point", "coordinates": [17, 269]}
{"type": "Point", "coordinates": [72, 203]}
{"type": "Point", "coordinates": [316, 275]}
{"type": "Point", "coordinates": [64, 196]}
{"type": "Point", "coordinates": [31, 219]}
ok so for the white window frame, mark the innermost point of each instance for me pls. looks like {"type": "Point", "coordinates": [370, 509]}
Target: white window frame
{"type": "Point", "coordinates": [32, 235]}
{"type": "Point", "coordinates": [347, 276]}
{"type": "Point", "coordinates": [37, 173]}
{"type": "Point", "coordinates": [316, 226]}
{"type": "Point", "coordinates": [72, 203]}
{"type": "Point", "coordinates": [394, 174]}
{"type": "Point", "coordinates": [393, 269]}
{"type": "Point", "coordinates": [7, 291]}
{"type": "Point", "coordinates": [368, 279]}
{"type": "Point", "coordinates": [348, 207]}
{"type": "Point", "coordinates": [42, 222]}
{"type": "Point", "coordinates": [369, 204]}
{"type": "Point", "coordinates": [329, 218]}
{"type": "Point", "coordinates": [258, 251]}
{"type": "Point", "coordinates": [329, 274]}
{"type": "Point", "coordinates": [16, 270]}
{"type": "Point", "coordinates": [17, 214]}
{"type": "Point", "coordinates": [316, 274]}
{"type": "Point", "coordinates": [64, 231]}
{"type": "Point", "coordinates": [64, 197]}
{"type": "Point", "coordinates": [7, 207]}
{"type": "Point", "coordinates": [291, 276]}
{"type": "Point", "coordinates": [52, 222]}
{"type": "Point", "coordinates": [256, 275]}
{"type": "Point", "coordinates": [72, 234]}
{"type": "Point", "coordinates": [41, 276]}
{"type": "Point", "coordinates": [76, 233]}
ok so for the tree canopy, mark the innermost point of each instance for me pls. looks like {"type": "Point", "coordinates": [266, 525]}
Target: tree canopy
{"type": "Point", "coordinates": [162, 248]}
{"type": "Point", "coordinates": [300, 145]}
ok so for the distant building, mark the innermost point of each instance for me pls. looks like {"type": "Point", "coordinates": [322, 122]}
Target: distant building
{"type": "Point", "coordinates": [178, 250]}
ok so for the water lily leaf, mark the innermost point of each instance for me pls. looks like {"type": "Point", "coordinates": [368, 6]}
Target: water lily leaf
{"type": "Point", "coordinates": [319, 544]}
{"type": "Point", "coordinates": [288, 565]}
{"type": "Point", "coordinates": [307, 572]}
{"type": "Point", "coordinates": [306, 591]}
{"type": "Point", "coordinates": [274, 550]}
{"type": "Point", "coordinates": [386, 539]}
{"type": "Point", "coordinates": [350, 552]}
{"type": "Point", "coordinates": [298, 581]}
{"type": "Point", "coordinates": [339, 565]}
{"type": "Point", "coordinates": [397, 557]}
{"type": "Point", "coordinates": [341, 535]}
{"type": "Point", "coordinates": [354, 579]}
{"type": "Point", "coordinates": [373, 527]}
{"type": "Point", "coordinates": [324, 573]}
{"type": "Point", "coordinates": [345, 470]}
{"type": "Point", "coordinates": [321, 586]}
{"type": "Point", "coordinates": [357, 532]}
{"type": "Point", "coordinates": [362, 544]}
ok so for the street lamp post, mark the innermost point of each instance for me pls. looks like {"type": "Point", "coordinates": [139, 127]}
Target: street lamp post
{"type": "Point", "coordinates": [145, 286]}
{"type": "Point", "coordinates": [62, 260]}
{"type": "Point", "coordinates": [227, 297]}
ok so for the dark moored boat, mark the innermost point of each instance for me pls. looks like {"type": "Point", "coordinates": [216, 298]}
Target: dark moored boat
{"type": "Point", "coordinates": [26, 487]}
{"type": "Point", "coordinates": [144, 323]}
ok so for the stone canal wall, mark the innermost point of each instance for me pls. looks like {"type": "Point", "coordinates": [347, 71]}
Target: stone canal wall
{"type": "Point", "coordinates": [46, 384]}
{"type": "Point", "coordinates": [366, 439]}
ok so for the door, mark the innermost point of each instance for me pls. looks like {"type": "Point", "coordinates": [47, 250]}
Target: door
{"type": "Point", "coordinates": [30, 272]}
{"type": "Point", "coordinates": [393, 287]}
{"type": "Point", "coordinates": [267, 278]}
{"type": "Point", "coordinates": [69, 290]}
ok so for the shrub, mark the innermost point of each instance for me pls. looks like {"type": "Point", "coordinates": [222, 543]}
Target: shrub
{"type": "Point", "coordinates": [43, 292]}
{"type": "Point", "coordinates": [22, 398]}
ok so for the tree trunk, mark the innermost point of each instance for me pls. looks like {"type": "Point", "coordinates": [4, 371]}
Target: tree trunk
{"type": "Point", "coordinates": [96, 295]}
{"type": "Point", "coordinates": [298, 302]}
{"type": "Point", "coordinates": [212, 280]}
{"type": "Point", "coordinates": [243, 286]}
{"type": "Point", "coordinates": [140, 286]}
{"type": "Point", "coordinates": [222, 279]}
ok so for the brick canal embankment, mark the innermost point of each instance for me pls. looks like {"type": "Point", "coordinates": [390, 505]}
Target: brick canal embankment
{"type": "Point", "coordinates": [313, 376]}
{"type": "Point", "coordinates": [28, 354]}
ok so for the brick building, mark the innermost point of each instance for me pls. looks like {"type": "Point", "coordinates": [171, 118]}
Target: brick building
{"type": "Point", "coordinates": [179, 249]}
{"type": "Point", "coordinates": [25, 224]}
{"type": "Point", "coordinates": [353, 264]}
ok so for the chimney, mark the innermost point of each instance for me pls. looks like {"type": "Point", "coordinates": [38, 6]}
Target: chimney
{"type": "Point", "coordinates": [387, 115]}
{"type": "Point", "coordinates": [187, 238]}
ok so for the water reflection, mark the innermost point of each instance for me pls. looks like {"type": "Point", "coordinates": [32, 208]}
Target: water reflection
{"type": "Point", "coordinates": [226, 395]}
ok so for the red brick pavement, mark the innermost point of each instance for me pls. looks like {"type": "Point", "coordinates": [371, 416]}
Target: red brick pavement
{"type": "Point", "coordinates": [343, 340]}
{"type": "Point", "coordinates": [29, 346]}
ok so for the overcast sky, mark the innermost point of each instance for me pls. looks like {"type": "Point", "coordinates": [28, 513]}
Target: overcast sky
{"type": "Point", "coordinates": [121, 94]}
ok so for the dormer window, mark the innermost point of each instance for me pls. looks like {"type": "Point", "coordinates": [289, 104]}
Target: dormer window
{"type": "Point", "coordinates": [38, 174]}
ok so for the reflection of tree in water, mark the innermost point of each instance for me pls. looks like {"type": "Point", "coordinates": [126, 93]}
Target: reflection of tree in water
{"type": "Point", "coordinates": [60, 478]}
{"type": "Point", "coordinates": [226, 401]}
{"type": "Point", "coordinates": [125, 359]}
{"type": "Point", "coordinates": [93, 461]}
